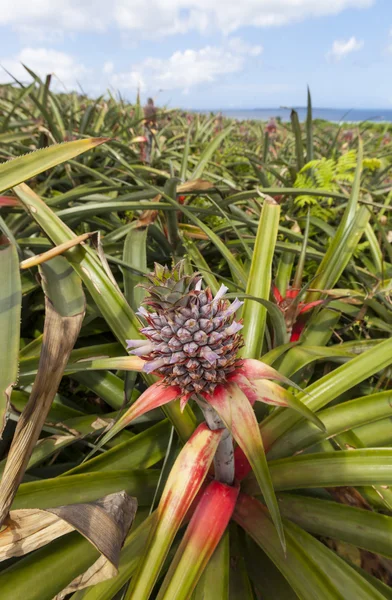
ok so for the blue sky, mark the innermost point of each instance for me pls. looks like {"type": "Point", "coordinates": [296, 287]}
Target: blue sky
{"type": "Point", "coordinates": [207, 53]}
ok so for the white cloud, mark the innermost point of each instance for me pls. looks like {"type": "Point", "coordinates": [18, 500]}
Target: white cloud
{"type": "Point", "coordinates": [341, 48]}
{"type": "Point", "coordinates": [238, 45]}
{"type": "Point", "coordinates": [108, 67]}
{"type": "Point", "coordinates": [186, 69]}
{"type": "Point", "coordinates": [43, 61]}
{"type": "Point", "coordinates": [34, 34]}
{"type": "Point", "coordinates": [59, 14]}
{"type": "Point", "coordinates": [152, 18]}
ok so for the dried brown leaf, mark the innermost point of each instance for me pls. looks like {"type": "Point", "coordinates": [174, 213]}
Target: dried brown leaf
{"type": "Point", "coordinates": [104, 523]}
{"type": "Point", "coordinates": [60, 334]}
{"type": "Point", "coordinates": [194, 186]}
{"type": "Point", "coordinates": [148, 216]}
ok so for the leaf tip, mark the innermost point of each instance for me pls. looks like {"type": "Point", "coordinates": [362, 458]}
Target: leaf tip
{"type": "Point", "coordinates": [282, 537]}
{"type": "Point", "coordinates": [320, 424]}
{"type": "Point", "coordinates": [101, 140]}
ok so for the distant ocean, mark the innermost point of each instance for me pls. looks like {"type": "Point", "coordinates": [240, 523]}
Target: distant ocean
{"type": "Point", "coordinates": [336, 115]}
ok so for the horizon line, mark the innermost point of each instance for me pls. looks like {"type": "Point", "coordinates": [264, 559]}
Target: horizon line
{"type": "Point", "coordinates": [292, 107]}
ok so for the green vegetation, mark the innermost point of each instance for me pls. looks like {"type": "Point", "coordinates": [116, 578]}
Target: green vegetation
{"type": "Point", "coordinates": [296, 221]}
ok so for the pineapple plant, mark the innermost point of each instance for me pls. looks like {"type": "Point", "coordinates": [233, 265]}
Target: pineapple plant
{"type": "Point", "coordinates": [264, 466]}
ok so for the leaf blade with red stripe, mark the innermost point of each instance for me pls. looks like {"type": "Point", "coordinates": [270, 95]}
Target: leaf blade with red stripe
{"type": "Point", "coordinates": [205, 530]}
{"type": "Point", "coordinates": [185, 480]}
{"type": "Point", "coordinates": [237, 414]}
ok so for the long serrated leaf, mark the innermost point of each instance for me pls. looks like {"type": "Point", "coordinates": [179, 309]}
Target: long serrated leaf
{"type": "Point", "coordinates": [303, 574]}
{"type": "Point", "coordinates": [330, 386]}
{"type": "Point", "coordinates": [135, 255]}
{"type": "Point", "coordinates": [362, 528]}
{"type": "Point", "coordinates": [370, 466]}
{"type": "Point", "coordinates": [312, 569]}
{"type": "Point", "coordinates": [10, 310]}
{"type": "Point", "coordinates": [86, 263]}
{"type": "Point", "coordinates": [46, 448]}
{"type": "Point", "coordinates": [345, 241]}
{"type": "Point", "coordinates": [299, 150]}
{"type": "Point", "coordinates": [185, 154]}
{"type": "Point", "coordinates": [87, 487]}
{"type": "Point", "coordinates": [336, 419]}
{"type": "Point", "coordinates": [24, 167]}
{"type": "Point", "coordinates": [348, 582]}
{"type": "Point", "coordinates": [259, 281]}
{"type": "Point", "coordinates": [309, 130]}
{"type": "Point", "coordinates": [271, 393]}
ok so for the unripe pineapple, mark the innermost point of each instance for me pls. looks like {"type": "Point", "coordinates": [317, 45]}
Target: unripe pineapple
{"type": "Point", "coordinates": [192, 337]}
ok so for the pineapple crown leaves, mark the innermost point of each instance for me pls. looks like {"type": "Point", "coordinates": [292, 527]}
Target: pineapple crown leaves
{"type": "Point", "coordinates": [170, 288]}
{"type": "Point", "coordinates": [162, 275]}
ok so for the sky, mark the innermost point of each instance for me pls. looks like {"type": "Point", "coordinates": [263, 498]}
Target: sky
{"type": "Point", "coordinates": [206, 54]}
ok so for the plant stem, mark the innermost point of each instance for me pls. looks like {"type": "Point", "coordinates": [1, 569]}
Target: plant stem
{"type": "Point", "coordinates": [224, 459]}
{"type": "Point", "coordinates": [224, 455]}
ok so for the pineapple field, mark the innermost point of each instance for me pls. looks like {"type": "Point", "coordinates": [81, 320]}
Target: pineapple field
{"type": "Point", "coordinates": [196, 357]}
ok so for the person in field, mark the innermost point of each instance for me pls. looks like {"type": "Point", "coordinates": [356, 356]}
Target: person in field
{"type": "Point", "coordinates": [150, 120]}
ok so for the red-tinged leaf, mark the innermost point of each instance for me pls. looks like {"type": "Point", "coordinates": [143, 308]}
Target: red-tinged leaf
{"type": "Point", "coordinates": [185, 480]}
{"type": "Point", "coordinates": [155, 396]}
{"type": "Point", "coordinates": [202, 536]}
{"type": "Point", "coordinates": [242, 466]}
{"type": "Point", "coordinates": [296, 331]}
{"type": "Point", "coordinates": [9, 201]}
{"type": "Point", "coordinates": [184, 401]}
{"type": "Point", "coordinates": [276, 294]}
{"type": "Point", "coordinates": [237, 414]}
{"type": "Point", "coordinates": [303, 308]}
{"type": "Point", "coordinates": [263, 390]}
{"type": "Point", "coordinates": [255, 369]}
{"type": "Point", "coordinates": [271, 393]}
{"type": "Point", "coordinates": [292, 293]}
{"type": "Point", "coordinates": [199, 495]}
{"type": "Point", "coordinates": [247, 387]}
